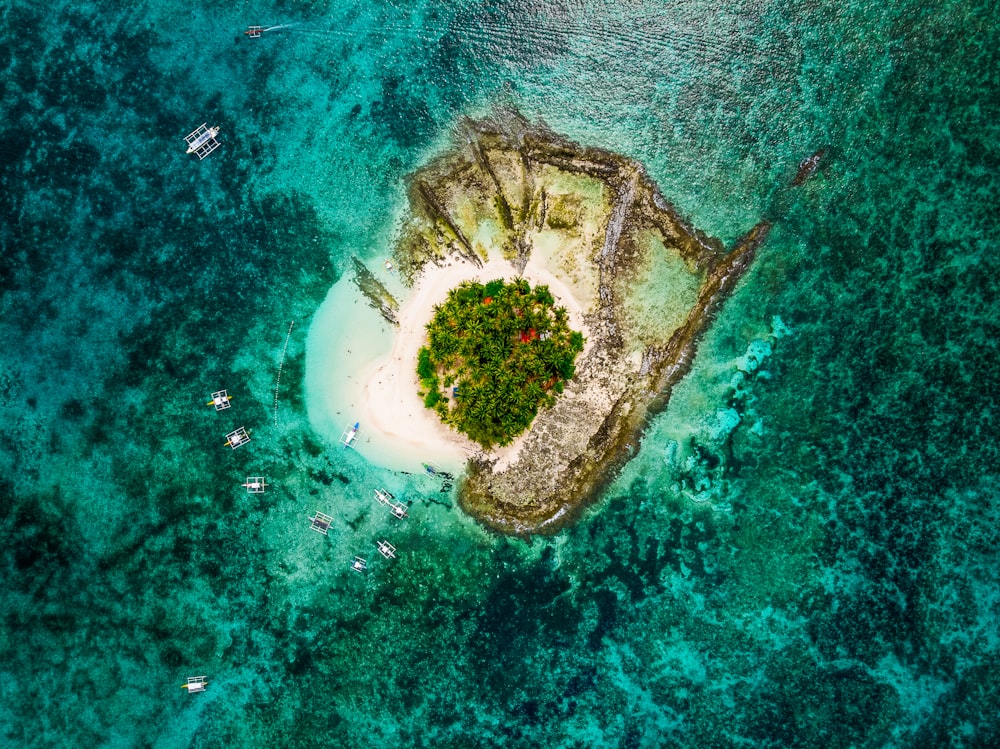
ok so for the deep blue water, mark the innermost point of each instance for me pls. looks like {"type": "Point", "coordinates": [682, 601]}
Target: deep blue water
{"type": "Point", "coordinates": [803, 553]}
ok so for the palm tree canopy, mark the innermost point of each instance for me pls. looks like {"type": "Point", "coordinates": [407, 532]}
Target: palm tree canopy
{"type": "Point", "coordinates": [503, 350]}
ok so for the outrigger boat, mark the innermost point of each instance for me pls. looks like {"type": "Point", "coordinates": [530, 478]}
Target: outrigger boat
{"type": "Point", "coordinates": [433, 470]}
{"type": "Point", "coordinates": [350, 434]}
{"type": "Point", "coordinates": [221, 400]}
{"type": "Point", "coordinates": [386, 549]}
{"type": "Point", "coordinates": [321, 523]}
{"type": "Point", "coordinates": [201, 141]}
{"type": "Point", "coordinates": [255, 484]}
{"type": "Point", "coordinates": [237, 437]}
{"type": "Point", "coordinates": [359, 564]}
{"type": "Point", "coordinates": [385, 498]}
{"type": "Point", "coordinates": [195, 684]}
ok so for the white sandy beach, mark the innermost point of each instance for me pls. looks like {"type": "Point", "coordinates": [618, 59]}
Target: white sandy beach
{"type": "Point", "coordinates": [351, 377]}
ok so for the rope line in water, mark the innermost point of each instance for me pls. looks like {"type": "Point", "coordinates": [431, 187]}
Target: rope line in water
{"type": "Point", "coordinates": [277, 382]}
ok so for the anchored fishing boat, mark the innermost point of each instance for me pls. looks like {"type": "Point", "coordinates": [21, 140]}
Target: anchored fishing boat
{"type": "Point", "coordinates": [350, 434]}
{"type": "Point", "coordinates": [221, 400]}
{"type": "Point", "coordinates": [201, 141]}
{"type": "Point", "coordinates": [195, 684]}
{"type": "Point", "coordinates": [386, 549]}
{"type": "Point", "coordinates": [237, 437]}
{"type": "Point", "coordinates": [434, 470]}
{"type": "Point", "coordinates": [321, 523]}
{"type": "Point", "coordinates": [255, 484]}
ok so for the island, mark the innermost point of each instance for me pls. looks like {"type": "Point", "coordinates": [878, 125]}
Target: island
{"type": "Point", "coordinates": [514, 202]}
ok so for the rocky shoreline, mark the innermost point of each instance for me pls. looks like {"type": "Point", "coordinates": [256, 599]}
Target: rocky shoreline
{"type": "Point", "coordinates": [649, 284]}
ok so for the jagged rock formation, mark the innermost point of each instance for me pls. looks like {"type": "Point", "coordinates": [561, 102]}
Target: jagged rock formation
{"type": "Point", "coordinates": [647, 281]}
{"type": "Point", "coordinates": [378, 296]}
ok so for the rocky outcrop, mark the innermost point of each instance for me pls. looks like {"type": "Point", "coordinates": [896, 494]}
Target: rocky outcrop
{"type": "Point", "coordinates": [648, 282]}
{"type": "Point", "coordinates": [373, 290]}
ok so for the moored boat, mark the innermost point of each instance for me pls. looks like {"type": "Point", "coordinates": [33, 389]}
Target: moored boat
{"type": "Point", "coordinates": [350, 434]}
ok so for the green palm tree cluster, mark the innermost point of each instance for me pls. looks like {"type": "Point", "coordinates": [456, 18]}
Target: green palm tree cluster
{"type": "Point", "coordinates": [496, 353]}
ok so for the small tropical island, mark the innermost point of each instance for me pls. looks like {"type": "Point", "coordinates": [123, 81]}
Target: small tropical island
{"type": "Point", "coordinates": [496, 354]}
{"type": "Point", "coordinates": [552, 298]}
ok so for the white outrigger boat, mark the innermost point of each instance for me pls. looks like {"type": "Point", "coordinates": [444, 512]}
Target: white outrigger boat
{"type": "Point", "coordinates": [321, 523]}
{"type": "Point", "coordinates": [195, 684]}
{"type": "Point", "coordinates": [201, 141]}
{"type": "Point", "coordinates": [221, 400]}
{"type": "Point", "coordinates": [350, 434]}
{"type": "Point", "coordinates": [255, 484]}
{"type": "Point", "coordinates": [385, 498]}
{"type": "Point", "coordinates": [386, 549]}
{"type": "Point", "coordinates": [237, 437]}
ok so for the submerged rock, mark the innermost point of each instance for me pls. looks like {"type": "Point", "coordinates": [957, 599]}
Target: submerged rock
{"type": "Point", "coordinates": [647, 281]}
{"type": "Point", "coordinates": [808, 167]}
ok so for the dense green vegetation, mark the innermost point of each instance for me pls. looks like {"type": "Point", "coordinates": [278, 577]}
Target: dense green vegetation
{"type": "Point", "coordinates": [495, 355]}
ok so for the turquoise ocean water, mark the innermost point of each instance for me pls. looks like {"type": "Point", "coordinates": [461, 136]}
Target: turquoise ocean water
{"type": "Point", "coordinates": [804, 551]}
